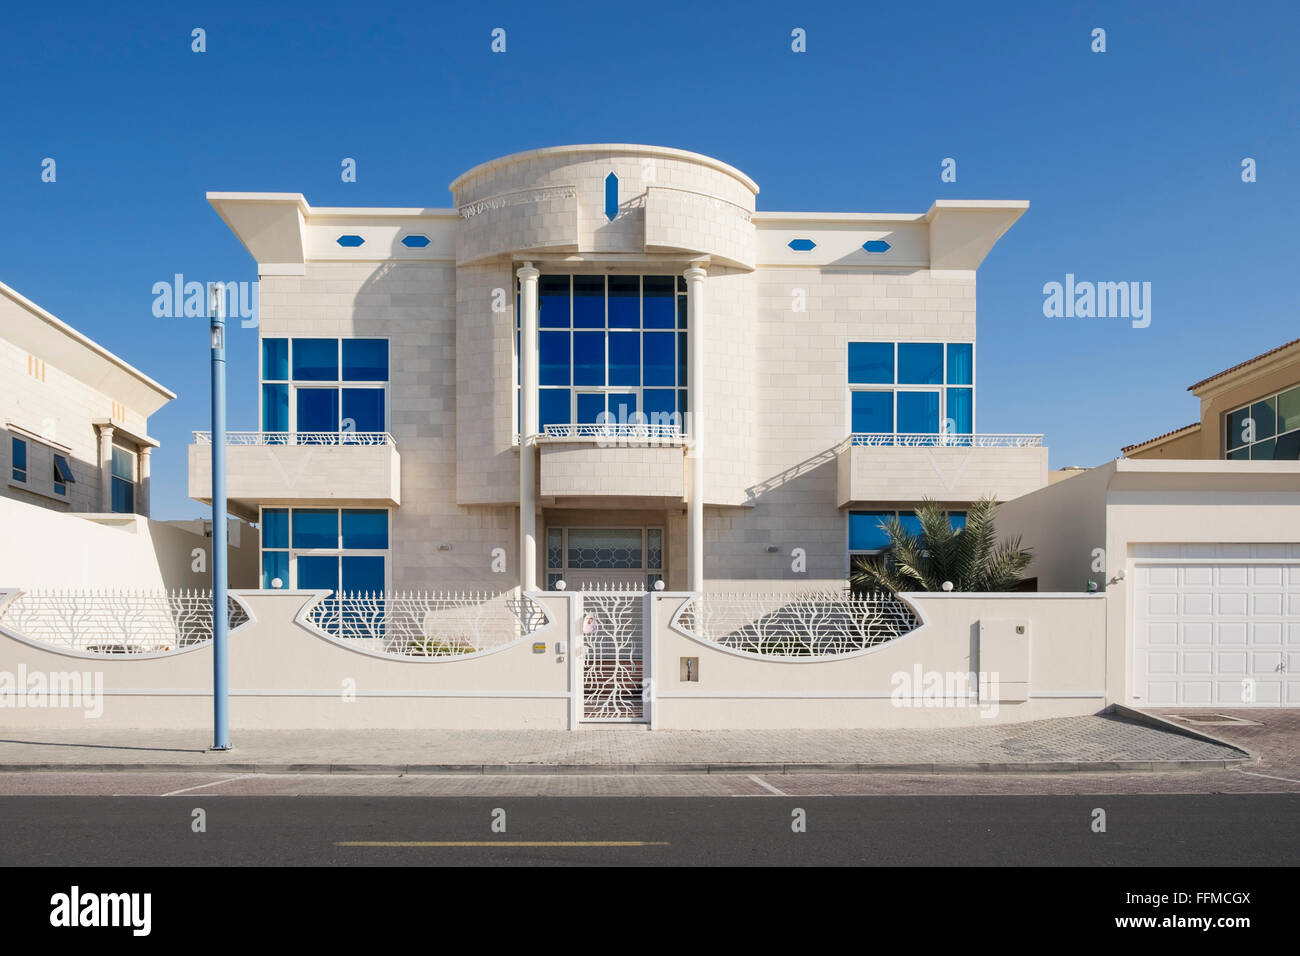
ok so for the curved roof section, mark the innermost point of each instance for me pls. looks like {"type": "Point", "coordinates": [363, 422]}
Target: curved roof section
{"type": "Point", "coordinates": [578, 149]}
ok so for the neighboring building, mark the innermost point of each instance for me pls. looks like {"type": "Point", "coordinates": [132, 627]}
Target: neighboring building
{"type": "Point", "coordinates": [75, 417]}
{"type": "Point", "coordinates": [710, 395]}
{"type": "Point", "coordinates": [1248, 412]}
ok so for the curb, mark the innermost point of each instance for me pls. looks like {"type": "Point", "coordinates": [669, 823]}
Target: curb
{"type": "Point", "coordinates": [1100, 766]}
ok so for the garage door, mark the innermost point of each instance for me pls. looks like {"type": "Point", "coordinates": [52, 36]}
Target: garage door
{"type": "Point", "coordinates": [1216, 631]}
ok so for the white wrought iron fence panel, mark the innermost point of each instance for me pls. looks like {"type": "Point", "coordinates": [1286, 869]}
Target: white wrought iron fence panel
{"type": "Point", "coordinates": [116, 622]}
{"type": "Point", "coordinates": [613, 672]}
{"type": "Point", "coordinates": [630, 430]}
{"type": "Point", "coordinates": [299, 438]}
{"type": "Point", "coordinates": [805, 624]}
{"type": "Point", "coordinates": [428, 624]}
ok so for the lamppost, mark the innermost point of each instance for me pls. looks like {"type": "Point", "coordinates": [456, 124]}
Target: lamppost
{"type": "Point", "coordinates": [220, 614]}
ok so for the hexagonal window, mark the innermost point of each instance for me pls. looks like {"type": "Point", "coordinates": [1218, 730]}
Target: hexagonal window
{"type": "Point", "coordinates": [415, 241]}
{"type": "Point", "coordinates": [349, 241]}
{"type": "Point", "coordinates": [876, 245]}
{"type": "Point", "coordinates": [802, 245]}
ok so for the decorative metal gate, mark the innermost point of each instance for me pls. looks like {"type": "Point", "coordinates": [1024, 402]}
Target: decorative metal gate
{"type": "Point", "coordinates": [611, 628]}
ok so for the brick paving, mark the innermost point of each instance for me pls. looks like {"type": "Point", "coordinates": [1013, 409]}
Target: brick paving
{"type": "Point", "coordinates": [1102, 742]}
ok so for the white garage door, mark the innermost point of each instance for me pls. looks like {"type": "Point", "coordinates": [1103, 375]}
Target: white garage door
{"type": "Point", "coordinates": [1218, 631]}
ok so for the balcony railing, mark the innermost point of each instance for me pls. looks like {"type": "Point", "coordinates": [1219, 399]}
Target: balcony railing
{"type": "Point", "coordinates": [904, 440]}
{"type": "Point", "coordinates": [666, 434]}
{"type": "Point", "coordinates": [299, 438]}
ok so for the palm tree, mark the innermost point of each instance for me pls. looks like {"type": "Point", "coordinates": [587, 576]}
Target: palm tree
{"type": "Point", "coordinates": [970, 557]}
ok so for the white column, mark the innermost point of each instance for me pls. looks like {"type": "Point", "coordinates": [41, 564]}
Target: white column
{"type": "Point", "coordinates": [528, 427]}
{"type": "Point", "coordinates": [695, 450]}
{"type": "Point", "coordinates": [105, 468]}
{"type": "Point", "coordinates": [142, 490]}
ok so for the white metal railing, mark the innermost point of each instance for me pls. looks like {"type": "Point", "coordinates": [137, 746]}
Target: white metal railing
{"type": "Point", "coordinates": [645, 432]}
{"type": "Point", "coordinates": [802, 624]}
{"type": "Point", "coordinates": [913, 440]}
{"type": "Point", "coordinates": [116, 622]}
{"type": "Point", "coordinates": [427, 624]}
{"type": "Point", "coordinates": [299, 438]}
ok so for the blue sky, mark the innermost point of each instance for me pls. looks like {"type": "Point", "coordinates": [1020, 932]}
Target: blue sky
{"type": "Point", "coordinates": [1131, 160]}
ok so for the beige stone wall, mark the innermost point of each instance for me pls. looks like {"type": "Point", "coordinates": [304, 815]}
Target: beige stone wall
{"type": "Point", "coordinates": [949, 474]}
{"type": "Point", "coordinates": [570, 469]}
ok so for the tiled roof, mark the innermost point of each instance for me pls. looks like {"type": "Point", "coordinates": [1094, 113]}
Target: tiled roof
{"type": "Point", "coordinates": [1150, 441]}
{"type": "Point", "coordinates": [1226, 371]}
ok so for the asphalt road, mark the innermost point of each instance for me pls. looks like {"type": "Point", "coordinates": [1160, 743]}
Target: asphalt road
{"type": "Point", "coordinates": [1181, 830]}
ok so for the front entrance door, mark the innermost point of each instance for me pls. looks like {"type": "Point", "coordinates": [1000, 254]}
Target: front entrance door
{"type": "Point", "coordinates": [604, 558]}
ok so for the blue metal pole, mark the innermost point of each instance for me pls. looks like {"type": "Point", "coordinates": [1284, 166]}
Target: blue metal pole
{"type": "Point", "coordinates": [220, 614]}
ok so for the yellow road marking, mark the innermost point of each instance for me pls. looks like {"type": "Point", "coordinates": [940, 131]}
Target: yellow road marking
{"type": "Point", "coordinates": [514, 843]}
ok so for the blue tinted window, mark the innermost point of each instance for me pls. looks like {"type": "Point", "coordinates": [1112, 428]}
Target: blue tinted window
{"type": "Point", "coordinates": [588, 358]}
{"type": "Point", "coordinates": [275, 359]}
{"type": "Point", "coordinates": [553, 407]}
{"type": "Point", "coordinates": [683, 310]}
{"type": "Point", "coordinates": [624, 302]}
{"type": "Point", "coordinates": [318, 410]}
{"type": "Point", "coordinates": [315, 528]}
{"type": "Point", "coordinates": [316, 360]}
{"type": "Point", "coordinates": [590, 408]}
{"type": "Point", "coordinates": [865, 533]}
{"type": "Point", "coordinates": [918, 413]}
{"type": "Point", "coordinates": [553, 302]}
{"type": "Point", "coordinates": [553, 365]}
{"type": "Point", "coordinates": [911, 523]}
{"type": "Point", "coordinates": [122, 465]}
{"type": "Point", "coordinates": [660, 362]}
{"type": "Point", "coordinates": [365, 529]}
{"type": "Point", "coordinates": [873, 413]}
{"type": "Point", "coordinates": [362, 573]}
{"type": "Point", "coordinates": [275, 408]}
{"type": "Point", "coordinates": [961, 409]}
{"type": "Point", "coordinates": [318, 571]}
{"type": "Point", "coordinates": [588, 302]}
{"type": "Point", "coordinates": [365, 360]}
{"type": "Point", "coordinates": [275, 564]}
{"type": "Point", "coordinates": [682, 378]}
{"type": "Point", "coordinates": [961, 363]}
{"type": "Point", "coordinates": [275, 527]}
{"type": "Point", "coordinates": [622, 408]}
{"type": "Point", "coordinates": [660, 303]}
{"type": "Point", "coordinates": [871, 363]}
{"type": "Point", "coordinates": [123, 497]}
{"type": "Point", "coordinates": [920, 363]}
{"type": "Point", "coordinates": [658, 401]}
{"type": "Point", "coordinates": [624, 358]}
{"type": "Point", "coordinates": [19, 448]}
{"type": "Point", "coordinates": [364, 408]}
{"type": "Point", "coordinates": [957, 519]}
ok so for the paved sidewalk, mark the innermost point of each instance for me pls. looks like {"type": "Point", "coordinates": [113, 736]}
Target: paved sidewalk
{"type": "Point", "coordinates": [1097, 743]}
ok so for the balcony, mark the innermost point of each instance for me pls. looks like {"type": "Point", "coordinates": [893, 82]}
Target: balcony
{"type": "Point", "coordinates": [271, 468]}
{"type": "Point", "coordinates": [952, 468]}
{"type": "Point", "coordinates": [613, 460]}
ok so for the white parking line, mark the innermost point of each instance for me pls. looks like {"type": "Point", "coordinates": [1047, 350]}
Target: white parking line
{"type": "Point", "coordinates": [1269, 776]}
{"type": "Point", "coordinates": [213, 783]}
{"type": "Point", "coordinates": [767, 786]}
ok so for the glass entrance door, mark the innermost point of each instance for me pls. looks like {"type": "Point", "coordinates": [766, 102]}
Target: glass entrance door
{"type": "Point", "coordinates": [595, 558]}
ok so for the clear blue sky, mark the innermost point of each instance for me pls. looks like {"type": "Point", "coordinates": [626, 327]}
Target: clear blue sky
{"type": "Point", "coordinates": [1131, 160]}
